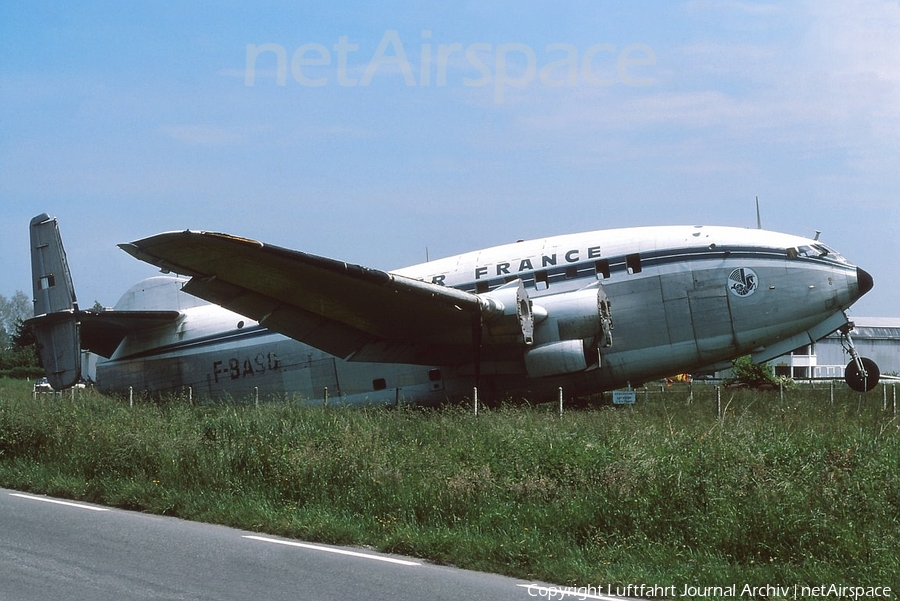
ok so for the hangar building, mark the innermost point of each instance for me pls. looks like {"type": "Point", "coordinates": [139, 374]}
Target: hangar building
{"type": "Point", "coordinates": [877, 338]}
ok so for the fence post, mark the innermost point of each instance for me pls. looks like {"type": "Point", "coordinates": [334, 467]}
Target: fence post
{"type": "Point", "coordinates": [131, 397]}
{"type": "Point", "coordinates": [560, 401]}
{"type": "Point", "coordinates": [475, 397]}
{"type": "Point", "coordinates": [325, 399]}
{"type": "Point", "coordinates": [718, 402]}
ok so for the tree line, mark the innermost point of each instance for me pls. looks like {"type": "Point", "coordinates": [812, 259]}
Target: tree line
{"type": "Point", "coordinates": [18, 356]}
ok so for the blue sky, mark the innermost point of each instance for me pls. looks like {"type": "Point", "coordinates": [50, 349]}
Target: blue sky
{"type": "Point", "coordinates": [127, 121]}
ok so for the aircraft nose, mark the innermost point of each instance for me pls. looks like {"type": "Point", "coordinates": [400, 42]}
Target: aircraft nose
{"type": "Point", "coordinates": [864, 280]}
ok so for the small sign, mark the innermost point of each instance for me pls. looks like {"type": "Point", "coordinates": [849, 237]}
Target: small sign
{"type": "Point", "coordinates": [623, 397]}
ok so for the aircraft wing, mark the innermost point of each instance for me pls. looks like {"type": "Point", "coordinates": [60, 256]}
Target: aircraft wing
{"type": "Point", "coordinates": [350, 311]}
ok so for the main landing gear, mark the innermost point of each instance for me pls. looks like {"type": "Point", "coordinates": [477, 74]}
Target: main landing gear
{"type": "Point", "coordinates": [862, 373]}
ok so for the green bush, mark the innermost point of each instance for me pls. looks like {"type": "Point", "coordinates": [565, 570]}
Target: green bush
{"type": "Point", "coordinates": [747, 373]}
{"type": "Point", "coordinates": [23, 373]}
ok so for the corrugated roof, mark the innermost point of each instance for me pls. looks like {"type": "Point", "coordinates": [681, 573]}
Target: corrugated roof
{"type": "Point", "coordinates": [874, 328]}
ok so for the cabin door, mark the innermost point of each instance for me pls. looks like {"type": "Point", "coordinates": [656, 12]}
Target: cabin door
{"type": "Point", "coordinates": [711, 319]}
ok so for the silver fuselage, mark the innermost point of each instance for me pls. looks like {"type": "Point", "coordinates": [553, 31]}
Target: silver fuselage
{"type": "Point", "coordinates": [682, 298]}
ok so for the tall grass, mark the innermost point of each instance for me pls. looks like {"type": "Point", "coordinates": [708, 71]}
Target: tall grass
{"type": "Point", "coordinates": [666, 492]}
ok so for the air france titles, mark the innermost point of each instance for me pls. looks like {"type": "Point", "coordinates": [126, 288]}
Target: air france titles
{"type": "Point", "coordinates": [517, 266]}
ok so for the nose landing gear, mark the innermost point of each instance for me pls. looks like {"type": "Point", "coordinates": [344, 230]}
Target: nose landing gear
{"type": "Point", "coordinates": [862, 373]}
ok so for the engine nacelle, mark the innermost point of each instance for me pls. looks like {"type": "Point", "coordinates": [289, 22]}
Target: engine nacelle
{"type": "Point", "coordinates": [563, 357]}
{"type": "Point", "coordinates": [572, 329]}
{"type": "Point", "coordinates": [581, 314]}
{"type": "Point", "coordinates": [507, 314]}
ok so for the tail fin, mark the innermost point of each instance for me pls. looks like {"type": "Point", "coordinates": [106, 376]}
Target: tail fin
{"type": "Point", "coordinates": [55, 323]}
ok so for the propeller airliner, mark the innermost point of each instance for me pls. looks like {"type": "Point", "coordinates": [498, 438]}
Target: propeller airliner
{"type": "Point", "coordinates": [588, 312]}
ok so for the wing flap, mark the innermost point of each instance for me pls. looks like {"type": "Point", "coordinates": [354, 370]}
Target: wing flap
{"type": "Point", "coordinates": [330, 336]}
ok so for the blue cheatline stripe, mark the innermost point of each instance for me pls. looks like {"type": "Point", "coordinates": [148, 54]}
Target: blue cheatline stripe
{"type": "Point", "coordinates": [244, 334]}
{"type": "Point", "coordinates": [582, 270]}
{"type": "Point", "coordinates": [657, 258]}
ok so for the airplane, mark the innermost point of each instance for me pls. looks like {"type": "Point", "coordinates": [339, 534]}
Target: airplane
{"type": "Point", "coordinates": [591, 312]}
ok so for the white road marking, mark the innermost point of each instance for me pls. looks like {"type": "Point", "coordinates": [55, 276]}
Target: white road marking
{"type": "Point", "coordinates": [57, 502]}
{"type": "Point", "coordinates": [331, 550]}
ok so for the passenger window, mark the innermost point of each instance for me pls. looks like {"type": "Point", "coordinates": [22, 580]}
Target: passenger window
{"type": "Point", "coordinates": [379, 384]}
{"type": "Point", "coordinates": [571, 272]}
{"type": "Point", "coordinates": [541, 280]}
{"type": "Point", "coordinates": [601, 268]}
{"type": "Point", "coordinates": [633, 262]}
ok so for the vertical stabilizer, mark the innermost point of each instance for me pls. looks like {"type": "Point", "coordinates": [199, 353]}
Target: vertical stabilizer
{"type": "Point", "coordinates": [55, 323]}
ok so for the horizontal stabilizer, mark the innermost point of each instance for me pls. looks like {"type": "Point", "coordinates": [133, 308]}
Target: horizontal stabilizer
{"type": "Point", "coordinates": [63, 335]}
{"type": "Point", "coordinates": [102, 331]}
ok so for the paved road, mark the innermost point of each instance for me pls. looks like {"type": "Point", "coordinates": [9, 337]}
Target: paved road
{"type": "Point", "coordinates": [54, 549]}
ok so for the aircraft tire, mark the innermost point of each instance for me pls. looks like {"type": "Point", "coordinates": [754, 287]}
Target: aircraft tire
{"type": "Point", "coordinates": [859, 382]}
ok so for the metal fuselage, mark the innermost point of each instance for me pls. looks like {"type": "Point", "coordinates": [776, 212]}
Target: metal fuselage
{"type": "Point", "coordinates": [681, 298]}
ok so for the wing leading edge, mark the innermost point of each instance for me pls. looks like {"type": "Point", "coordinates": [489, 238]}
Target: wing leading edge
{"type": "Point", "coordinates": [347, 310]}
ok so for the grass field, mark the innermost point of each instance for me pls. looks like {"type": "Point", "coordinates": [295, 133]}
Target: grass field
{"type": "Point", "coordinates": [803, 490]}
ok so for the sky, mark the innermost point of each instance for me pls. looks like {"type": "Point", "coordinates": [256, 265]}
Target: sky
{"type": "Point", "coordinates": [382, 133]}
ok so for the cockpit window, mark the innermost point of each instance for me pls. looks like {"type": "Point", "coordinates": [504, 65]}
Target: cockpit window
{"type": "Point", "coordinates": [814, 250]}
{"type": "Point", "coordinates": [825, 251]}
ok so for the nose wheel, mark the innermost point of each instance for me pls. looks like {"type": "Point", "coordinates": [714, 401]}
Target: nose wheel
{"type": "Point", "coordinates": [862, 374]}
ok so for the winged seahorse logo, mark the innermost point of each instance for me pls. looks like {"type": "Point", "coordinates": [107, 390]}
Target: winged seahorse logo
{"type": "Point", "coordinates": [743, 282]}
